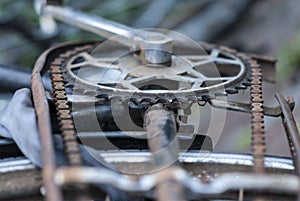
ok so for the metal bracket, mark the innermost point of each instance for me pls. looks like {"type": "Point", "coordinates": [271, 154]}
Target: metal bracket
{"type": "Point", "coordinates": [246, 107]}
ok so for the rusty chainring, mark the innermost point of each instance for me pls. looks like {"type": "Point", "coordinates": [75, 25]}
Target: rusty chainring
{"type": "Point", "coordinates": [60, 81]}
{"type": "Point", "coordinates": [190, 77]}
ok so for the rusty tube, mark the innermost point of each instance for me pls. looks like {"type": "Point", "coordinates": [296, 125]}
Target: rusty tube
{"type": "Point", "coordinates": [292, 132]}
{"type": "Point", "coordinates": [161, 132]}
{"type": "Point", "coordinates": [44, 127]}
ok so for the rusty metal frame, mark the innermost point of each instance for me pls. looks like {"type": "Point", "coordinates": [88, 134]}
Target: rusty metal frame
{"type": "Point", "coordinates": [44, 123]}
{"type": "Point", "coordinates": [162, 139]}
{"type": "Point", "coordinates": [44, 127]}
{"type": "Point", "coordinates": [45, 131]}
{"type": "Point", "coordinates": [292, 132]}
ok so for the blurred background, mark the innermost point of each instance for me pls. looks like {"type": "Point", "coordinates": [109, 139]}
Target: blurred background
{"type": "Point", "coordinates": [267, 27]}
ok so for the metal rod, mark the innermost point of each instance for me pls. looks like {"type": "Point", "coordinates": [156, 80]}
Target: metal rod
{"type": "Point", "coordinates": [44, 127]}
{"type": "Point", "coordinates": [94, 24]}
{"type": "Point", "coordinates": [156, 47]}
{"type": "Point", "coordinates": [269, 183]}
{"type": "Point", "coordinates": [291, 131]}
{"type": "Point", "coordinates": [246, 107]}
{"type": "Point", "coordinates": [162, 140]}
{"type": "Point", "coordinates": [161, 133]}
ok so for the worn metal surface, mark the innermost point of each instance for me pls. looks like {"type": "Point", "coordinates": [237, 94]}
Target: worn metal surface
{"type": "Point", "coordinates": [44, 128]}
{"type": "Point", "coordinates": [175, 83]}
{"type": "Point", "coordinates": [257, 118]}
{"type": "Point", "coordinates": [21, 184]}
{"type": "Point", "coordinates": [58, 66]}
{"type": "Point", "coordinates": [249, 73]}
{"type": "Point", "coordinates": [267, 64]}
{"type": "Point", "coordinates": [43, 121]}
{"type": "Point", "coordinates": [275, 184]}
{"type": "Point", "coordinates": [19, 179]}
{"type": "Point", "coordinates": [63, 109]}
{"type": "Point", "coordinates": [195, 163]}
{"type": "Point", "coordinates": [257, 110]}
{"type": "Point", "coordinates": [205, 164]}
{"type": "Point", "coordinates": [156, 48]}
{"type": "Point", "coordinates": [246, 107]}
{"type": "Point", "coordinates": [161, 132]}
{"type": "Point", "coordinates": [185, 81]}
{"type": "Point", "coordinates": [256, 79]}
{"type": "Point", "coordinates": [291, 131]}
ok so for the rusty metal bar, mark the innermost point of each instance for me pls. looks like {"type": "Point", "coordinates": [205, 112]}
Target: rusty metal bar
{"type": "Point", "coordinates": [44, 123]}
{"type": "Point", "coordinates": [269, 183]}
{"type": "Point", "coordinates": [161, 132]}
{"type": "Point", "coordinates": [44, 127]}
{"type": "Point", "coordinates": [291, 131]}
{"type": "Point", "coordinates": [246, 107]}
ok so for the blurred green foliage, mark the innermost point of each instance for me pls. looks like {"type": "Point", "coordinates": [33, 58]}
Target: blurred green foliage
{"type": "Point", "coordinates": [289, 59]}
{"type": "Point", "coordinates": [18, 9]}
{"type": "Point", "coordinates": [244, 140]}
{"type": "Point", "coordinates": [18, 50]}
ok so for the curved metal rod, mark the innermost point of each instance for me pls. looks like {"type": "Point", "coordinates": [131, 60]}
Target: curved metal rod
{"type": "Point", "coordinates": [44, 127]}
{"type": "Point", "coordinates": [270, 183]}
{"type": "Point", "coordinates": [292, 133]}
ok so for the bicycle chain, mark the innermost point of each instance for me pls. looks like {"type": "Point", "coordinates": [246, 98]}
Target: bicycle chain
{"type": "Point", "coordinates": [63, 108]}
{"type": "Point", "coordinates": [257, 118]}
{"type": "Point", "coordinates": [67, 125]}
{"type": "Point", "coordinates": [258, 143]}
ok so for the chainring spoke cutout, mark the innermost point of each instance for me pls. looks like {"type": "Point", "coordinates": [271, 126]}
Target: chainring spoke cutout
{"type": "Point", "coordinates": [188, 75]}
